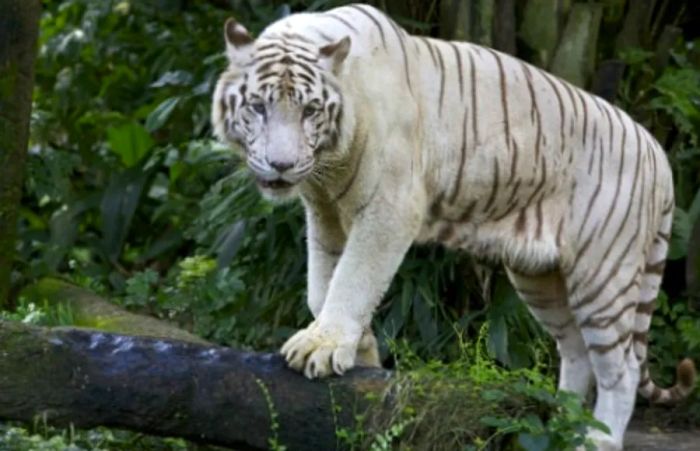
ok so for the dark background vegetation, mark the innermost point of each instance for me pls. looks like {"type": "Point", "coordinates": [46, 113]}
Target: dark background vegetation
{"type": "Point", "coordinates": [126, 192]}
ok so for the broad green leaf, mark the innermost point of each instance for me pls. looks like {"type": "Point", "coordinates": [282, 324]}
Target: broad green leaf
{"type": "Point", "coordinates": [694, 209]}
{"type": "Point", "coordinates": [117, 209]}
{"type": "Point", "coordinates": [497, 422]}
{"type": "Point", "coordinates": [680, 235]}
{"type": "Point", "coordinates": [169, 240]}
{"type": "Point", "coordinates": [494, 395]}
{"type": "Point", "coordinates": [160, 115]}
{"type": "Point", "coordinates": [423, 316]}
{"type": "Point", "coordinates": [498, 339]}
{"type": "Point", "coordinates": [533, 442]}
{"type": "Point", "coordinates": [64, 227]}
{"type": "Point", "coordinates": [130, 141]}
{"type": "Point", "coordinates": [394, 321]}
{"type": "Point", "coordinates": [173, 78]}
{"type": "Point", "coordinates": [228, 242]}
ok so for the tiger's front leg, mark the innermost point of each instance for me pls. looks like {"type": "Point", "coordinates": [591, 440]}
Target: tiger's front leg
{"type": "Point", "coordinates": [379, 238]}
{"type": "Point", "coordinates": [325, 241]}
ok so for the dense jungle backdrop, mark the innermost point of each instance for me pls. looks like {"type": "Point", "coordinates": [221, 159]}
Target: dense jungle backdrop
{"type": "Point", "coordinates": [127, 194]}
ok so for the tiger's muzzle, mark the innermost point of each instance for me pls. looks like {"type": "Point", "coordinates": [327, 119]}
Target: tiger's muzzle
{"type": "Point", "coordinates": [276, 178]}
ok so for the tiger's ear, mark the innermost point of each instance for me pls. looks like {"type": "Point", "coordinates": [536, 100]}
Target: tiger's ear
{"type": "Point", "coordinates": [333, 55]}
{"type": "Point", "coordinates": [238, 41]}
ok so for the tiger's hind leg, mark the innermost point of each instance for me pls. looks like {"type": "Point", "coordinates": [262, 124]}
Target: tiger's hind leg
{"type": "Point", "coordinates": [545, 296]}
{"type": "Point", "coordinates": [603, 297]}
{"type": "Point", "coordinates": [649, 290]}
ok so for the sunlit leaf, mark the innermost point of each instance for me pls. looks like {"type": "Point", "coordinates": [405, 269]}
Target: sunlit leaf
{"type": "Point", "coordinates": [159, 116]}
{"type": "Point", "coordinates": [130, 141]}
{"type": "Point", "coordinates": [173, 78]}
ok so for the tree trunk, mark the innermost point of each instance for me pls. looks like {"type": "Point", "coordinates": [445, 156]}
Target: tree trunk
{"type": "Point", "coordinates": [467, 21]}
{"type": "Point", "coordinates": [504, 27]}
{"type": "Point", "coordinates": [206, 394]}
{"type": "Point", "coordinates": [541, 27]}
{"type": "Point", "coordinates": [574, 59]}
{"type": "Point", "coordinates": [19, 25]}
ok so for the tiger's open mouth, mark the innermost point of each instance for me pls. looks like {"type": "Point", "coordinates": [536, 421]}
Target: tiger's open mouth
{"type": "Point", "coordinates": [277, 184]}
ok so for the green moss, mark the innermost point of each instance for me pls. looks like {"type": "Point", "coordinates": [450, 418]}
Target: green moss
{"type": "Point", "coordinates": [273, 441]}
{"type": "Point", "coordinates": [70, 305]}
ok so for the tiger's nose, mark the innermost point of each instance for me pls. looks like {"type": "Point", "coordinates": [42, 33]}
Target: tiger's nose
{"type": "Point", "coordinates": [281, 166]}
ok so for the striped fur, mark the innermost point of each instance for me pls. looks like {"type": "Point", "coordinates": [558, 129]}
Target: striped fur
{"type": "Point", "coordinates": [420, 140]}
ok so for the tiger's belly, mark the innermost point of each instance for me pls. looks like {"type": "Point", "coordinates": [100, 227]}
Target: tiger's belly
{"type": "Point", "coordinates": [525, 241]}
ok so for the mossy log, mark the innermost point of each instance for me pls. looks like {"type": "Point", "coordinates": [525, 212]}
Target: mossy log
{"type": "Point", "coordinates": [90, 311]}
{"type": "Point", "coordinates": [206, 394]}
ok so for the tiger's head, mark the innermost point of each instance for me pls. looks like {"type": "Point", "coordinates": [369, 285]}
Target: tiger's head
{"type": "Point", "coordinates": [279, 100]}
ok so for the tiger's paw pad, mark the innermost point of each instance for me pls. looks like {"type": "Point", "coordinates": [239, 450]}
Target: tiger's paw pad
{"type": "Point", "coordinates": [319, 351]}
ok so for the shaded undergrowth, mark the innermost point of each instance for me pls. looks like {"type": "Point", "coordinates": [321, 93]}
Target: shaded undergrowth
{"type": "Point", "coordinates": [472, 403]}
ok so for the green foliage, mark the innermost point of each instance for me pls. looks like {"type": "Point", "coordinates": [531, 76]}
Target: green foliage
{"type": "Point", "coordinates": [667, 99]}
{"type": "Point", "coordinates": [39, 315]}
{"type": "Point", "coordinates": [120, 151]}
{"type": "Point", "coordinates": [473, 403]}
{"type": "Point", "coordinates": [27, 313]}
{"type": "Point", "coordinates": [128, 194]}
{"type": "Point", "coordinates": [273, 441]}
{"type": "Point", "coordinates": [40, 437]}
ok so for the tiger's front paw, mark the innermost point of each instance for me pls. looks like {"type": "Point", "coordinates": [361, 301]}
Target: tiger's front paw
{"type": "Point", "coordinates": [368, 351]}
{"type": "Point", "coordinates": [322, 349]}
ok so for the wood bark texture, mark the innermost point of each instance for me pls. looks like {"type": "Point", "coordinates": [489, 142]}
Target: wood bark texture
{"type": "Point", "coordinates": [206, 394]}
{"type": "Point", "coordinates": [19, 24]}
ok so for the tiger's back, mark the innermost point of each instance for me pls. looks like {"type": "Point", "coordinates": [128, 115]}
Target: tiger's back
{"type": "Point", "coordinates": [462, 145]}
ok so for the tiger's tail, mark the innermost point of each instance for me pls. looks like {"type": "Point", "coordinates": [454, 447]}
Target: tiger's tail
{"type": "Point", "coordinates": [649, 289]}
{"type": "Point", "coordinates": [685, 381]}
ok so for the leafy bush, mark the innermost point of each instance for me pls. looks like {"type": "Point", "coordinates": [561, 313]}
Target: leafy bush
{"type": "Point", "coordinates": [667, 100]}
{"type": "Point", "coordinates": [473, 403]}
{"type": "Point", "coordinates": [40, 437]}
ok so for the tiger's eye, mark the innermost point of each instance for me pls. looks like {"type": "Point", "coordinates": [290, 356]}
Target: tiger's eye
{"type": "Point", "coordinates": [258, 108]}
{"type": "Point", "coordinates": [309, 110]}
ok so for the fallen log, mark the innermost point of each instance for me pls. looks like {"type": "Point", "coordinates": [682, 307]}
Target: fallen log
{"type": "Point", "coordinates": [242, 400]}
{"type": "Point", "coordinates": [206, 394]}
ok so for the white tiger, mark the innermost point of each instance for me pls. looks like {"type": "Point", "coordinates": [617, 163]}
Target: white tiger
{"type": "Point", "coordinates": [391, 139]}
